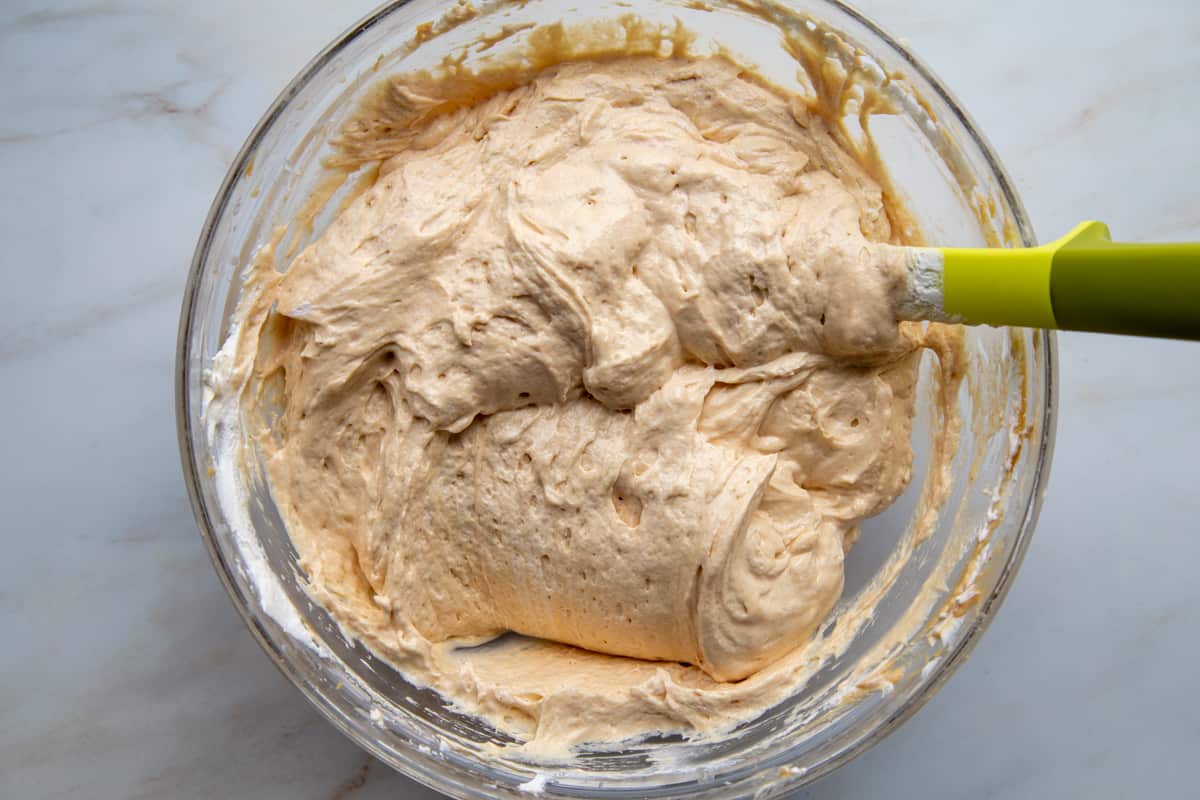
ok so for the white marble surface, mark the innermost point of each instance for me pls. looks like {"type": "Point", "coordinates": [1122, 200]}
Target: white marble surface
{"type": "Point", "coordinates": [125, 671]}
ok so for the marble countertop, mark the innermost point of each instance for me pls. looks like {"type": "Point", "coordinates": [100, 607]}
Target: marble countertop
{"type": "Point", "coordinates": [126, 671]}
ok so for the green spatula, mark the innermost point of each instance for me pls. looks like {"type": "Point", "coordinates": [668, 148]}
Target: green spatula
{"type": "Point", "coordinates": [1082, 282]}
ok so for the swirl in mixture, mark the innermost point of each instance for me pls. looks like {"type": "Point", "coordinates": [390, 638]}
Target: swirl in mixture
{"type": "Point", "coordinates": [608, 360]}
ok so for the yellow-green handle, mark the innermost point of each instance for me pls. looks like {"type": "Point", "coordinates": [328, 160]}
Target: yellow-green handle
{"type": "Point", "coordinates": [1082, 282]}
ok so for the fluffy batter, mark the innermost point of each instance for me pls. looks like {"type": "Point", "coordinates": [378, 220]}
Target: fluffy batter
{"type": "Point", "coordinates": [608, 360]}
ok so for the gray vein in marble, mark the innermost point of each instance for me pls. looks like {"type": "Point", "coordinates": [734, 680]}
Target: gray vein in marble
{"type": "Point", "coordinates": [22, 343]}
{"type": "Point", "coordinates": [45, 17]}
{"type": "Point", "coordinates": [134, 106]}
{"type": "Point", "coordinates": [357, 781]}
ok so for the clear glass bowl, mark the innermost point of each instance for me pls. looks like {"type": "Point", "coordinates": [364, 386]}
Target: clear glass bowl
{"type": "Point", "coordinates": [935, 602]}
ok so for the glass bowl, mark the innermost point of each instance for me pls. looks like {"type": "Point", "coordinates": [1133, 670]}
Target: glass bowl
{"type": "Point", "coordinates": [932, 595]}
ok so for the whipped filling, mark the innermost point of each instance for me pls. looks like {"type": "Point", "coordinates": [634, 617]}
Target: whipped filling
{"type": "Point", "coordinates": [609, 360]}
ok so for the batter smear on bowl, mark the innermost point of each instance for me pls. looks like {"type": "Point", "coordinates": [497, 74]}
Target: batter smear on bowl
{"type": "Point", "coordinates": [608, 360]}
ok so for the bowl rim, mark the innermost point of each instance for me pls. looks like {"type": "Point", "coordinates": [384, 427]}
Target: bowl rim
{"type": "Point", "coordinates": [414, 767]}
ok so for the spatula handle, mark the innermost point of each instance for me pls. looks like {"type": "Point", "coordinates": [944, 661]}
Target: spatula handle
{"type": "Point", "coordinates": [1082, 282]}
{"type": "Point", "coordinates": [1138, 289]}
